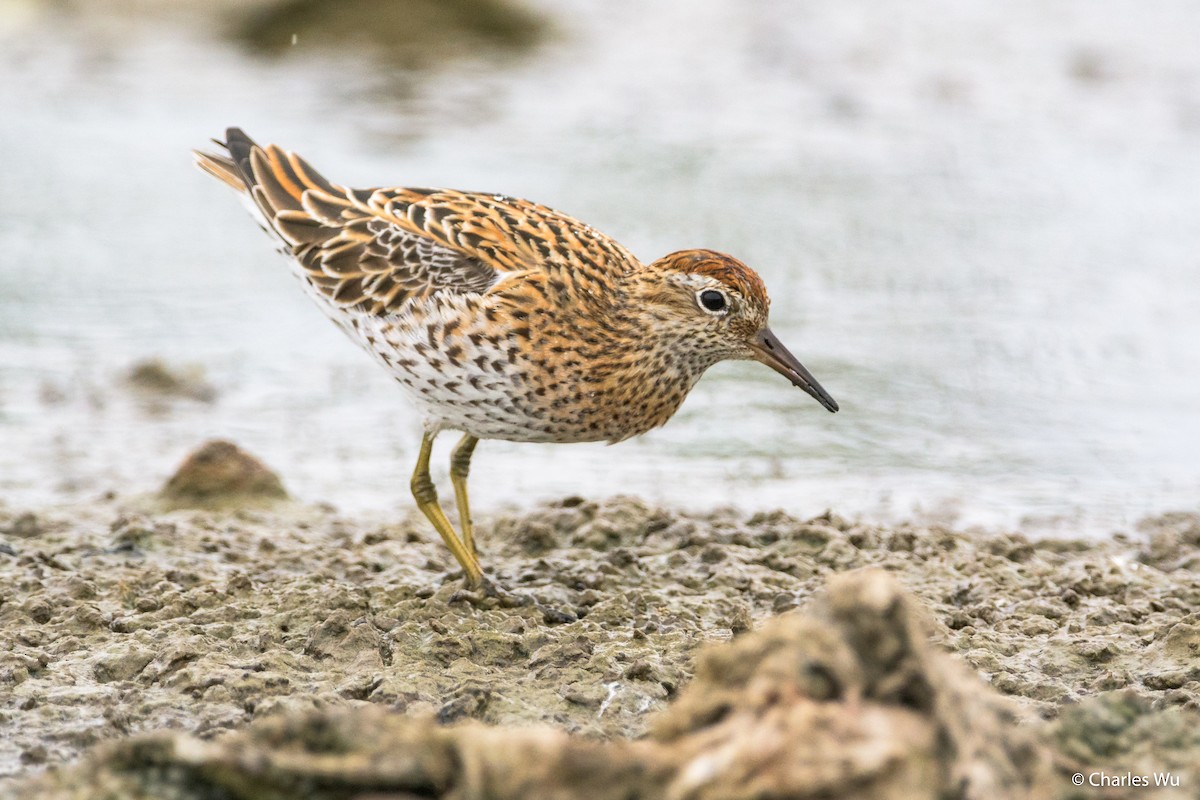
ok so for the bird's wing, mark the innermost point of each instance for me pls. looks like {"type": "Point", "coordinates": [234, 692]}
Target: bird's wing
{"type": "Point", "coordinates": [376, 249]}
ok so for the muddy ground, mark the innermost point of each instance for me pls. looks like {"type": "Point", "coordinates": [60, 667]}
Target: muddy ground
{"type": "Point", "coordinates": [127, 616]}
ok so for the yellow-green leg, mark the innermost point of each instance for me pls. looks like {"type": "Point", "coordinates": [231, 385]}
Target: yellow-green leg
{"type": "Point", "coordinates": [460, 466]}
{"type": "Point", "coordinates": [426, 496]}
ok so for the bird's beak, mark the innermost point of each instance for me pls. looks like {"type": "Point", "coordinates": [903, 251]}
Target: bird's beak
{"type": "Point", "coordinates": [771, 352]}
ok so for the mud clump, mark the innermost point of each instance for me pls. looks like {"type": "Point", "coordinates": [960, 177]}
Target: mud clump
{"type": "Point", "coordinates": [221, 473]}
{"type": "Point", "coordinates": [153, 378]}
{"type": "Point", "coordinates": [848, 699]}
{"type": "Point", "coordinates": [23, 526]}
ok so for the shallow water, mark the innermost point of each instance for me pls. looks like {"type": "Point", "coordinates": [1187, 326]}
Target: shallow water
{"type": "Point", "coordinates": [978, 224]}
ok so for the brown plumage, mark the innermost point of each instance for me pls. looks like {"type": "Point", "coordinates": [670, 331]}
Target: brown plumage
{"type": "Point", "coordinates": [503, 318]}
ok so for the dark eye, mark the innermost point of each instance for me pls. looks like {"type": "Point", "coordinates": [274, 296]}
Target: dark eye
{"type": "Point", "coordinates": [712, 300]}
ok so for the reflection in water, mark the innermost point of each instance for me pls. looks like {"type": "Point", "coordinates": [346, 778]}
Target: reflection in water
{"type": "Point", "coordinates": [977, 224]}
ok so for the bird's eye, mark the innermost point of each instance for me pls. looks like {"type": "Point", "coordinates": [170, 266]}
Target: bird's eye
{"type": "Point", "coordinates": [713, 301]}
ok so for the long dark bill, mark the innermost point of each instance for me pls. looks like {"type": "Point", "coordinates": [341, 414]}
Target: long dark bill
{"type": "Point", "coordinates": [770, 351]}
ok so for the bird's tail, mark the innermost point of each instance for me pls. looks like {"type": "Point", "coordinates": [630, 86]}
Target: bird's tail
{"type": "Point", "coordinates": [285, 192]}
{"type": "Point", "coordinates": [220, 167]}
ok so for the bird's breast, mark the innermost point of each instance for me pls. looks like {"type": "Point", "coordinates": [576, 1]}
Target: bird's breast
{"type": "Point", "coordinates": [520, 375]}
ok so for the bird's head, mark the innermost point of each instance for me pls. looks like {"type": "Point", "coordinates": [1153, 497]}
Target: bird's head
{"type": "Point", "coordinates": [718, 306]}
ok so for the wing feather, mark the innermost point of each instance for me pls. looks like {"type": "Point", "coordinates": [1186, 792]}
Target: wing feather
{"type": "Point", "coordinates": [374, 250]}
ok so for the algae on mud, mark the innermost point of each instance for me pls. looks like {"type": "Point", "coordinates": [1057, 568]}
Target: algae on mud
{"type": "Point", "coordinates": [120, 617]}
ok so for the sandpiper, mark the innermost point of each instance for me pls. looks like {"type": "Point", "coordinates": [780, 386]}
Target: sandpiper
{"type": "Point", "coordinates": [504, 319]}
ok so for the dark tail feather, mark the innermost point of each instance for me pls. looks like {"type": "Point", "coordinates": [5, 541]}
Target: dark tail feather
{"type": "Point", "coordinates": [240, 146]}
{"type": "Point", "coordinates": [249, 165]}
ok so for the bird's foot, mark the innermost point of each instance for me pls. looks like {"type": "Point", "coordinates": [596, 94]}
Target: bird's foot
{"type": "Point", "coordinates": [486, 594]}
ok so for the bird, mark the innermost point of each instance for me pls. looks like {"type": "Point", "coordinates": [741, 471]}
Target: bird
{"type": "Point", "coordinates": [502, 318]}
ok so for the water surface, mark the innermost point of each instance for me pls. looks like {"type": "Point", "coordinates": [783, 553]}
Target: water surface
{"type": "Point", "coordinates": [978, 224]}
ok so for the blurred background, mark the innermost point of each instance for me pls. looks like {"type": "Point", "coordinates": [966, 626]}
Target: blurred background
{"type": "Point", "coordinates": [980, 223]}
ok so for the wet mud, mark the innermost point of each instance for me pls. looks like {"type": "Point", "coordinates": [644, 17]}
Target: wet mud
{"type": "Point", "coordinates": [217, 652]}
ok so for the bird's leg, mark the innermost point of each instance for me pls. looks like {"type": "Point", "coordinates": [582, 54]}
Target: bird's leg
{"type": "Point", "coordinates": [480, 590]}
{"type": "Point", "coordinates": [426, 496]}
{"type": "Point", "coordinates": [460, 466]}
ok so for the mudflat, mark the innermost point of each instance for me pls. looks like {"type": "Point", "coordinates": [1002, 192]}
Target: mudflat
{"type": "Point", "coordinates": [252, 623]}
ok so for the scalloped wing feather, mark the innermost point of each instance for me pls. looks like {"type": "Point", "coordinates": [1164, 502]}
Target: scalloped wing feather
{"type": "Point", "coordinates": [374, 250]}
